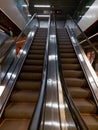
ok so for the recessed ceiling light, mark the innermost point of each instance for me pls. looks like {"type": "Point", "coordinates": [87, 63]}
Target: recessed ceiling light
{"type": "Point", "coordinates": [42, 6]}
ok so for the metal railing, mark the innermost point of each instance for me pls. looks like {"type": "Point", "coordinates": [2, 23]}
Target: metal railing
{"type": "Point", "coordinates": [87, 68]}
{"type": "Point", "coordinates": [81, 36]}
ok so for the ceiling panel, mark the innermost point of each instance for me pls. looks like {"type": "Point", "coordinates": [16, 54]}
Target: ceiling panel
{"type": "Point", "coordinates": [64, 6]}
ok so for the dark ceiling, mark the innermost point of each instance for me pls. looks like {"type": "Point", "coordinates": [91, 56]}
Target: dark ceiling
{"type": "Point", "coordinates": [61, 7]}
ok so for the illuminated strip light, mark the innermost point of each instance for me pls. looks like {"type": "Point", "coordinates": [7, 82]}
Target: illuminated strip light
{"type": "Point", "coordinates": [45, 16]}
{"type": "Point", "coordinates": [42, 6]}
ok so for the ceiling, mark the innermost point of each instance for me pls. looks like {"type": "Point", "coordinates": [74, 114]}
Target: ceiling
{"type": "Point", "coordinates": [61, 7]}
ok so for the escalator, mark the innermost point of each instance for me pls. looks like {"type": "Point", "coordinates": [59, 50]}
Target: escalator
{"type": "Point", "coordinates": [76, 82]}
{"type": "Point", "coordinates": [21, 104]}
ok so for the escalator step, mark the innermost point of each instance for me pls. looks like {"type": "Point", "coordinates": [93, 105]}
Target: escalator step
{"type": "Point", "coordinates": [68, 55]}
{"type": "Point", "coordinates": [71, 67]}
{"type": "Point", "coordinates": [67, 50]}
{"type": "Point", "coordinates": [37, 52]}
{"type": "Point", "coordinates": [24, 96]}
{"type": "Point", "coordinates": [74, 82]}
{"type": "Point", "coordinates": [28, 85]}
{"type": "Point", "coordinates": [34, 62]}
{"type": "Point", "coordinates": [77, 92]}
{"type": "Point", "coordinates": [35, 56]}
{"type": "Point", "coordinates": [32, 68]}
{"type": "Point", "coordinates": [19, 110]}
{"type": "Point", "coordinates": [30, 76]}
{"type": "Point", "coordinates": [15, 124]}
{"type": "Point", "coordinates": [91, 121]}
{"type": "Point", "coordinates": [85, 106]}
{"type": "Point", "coordinates": [73, 74]}
{"type": "Point", "coordinates": [69, 61]}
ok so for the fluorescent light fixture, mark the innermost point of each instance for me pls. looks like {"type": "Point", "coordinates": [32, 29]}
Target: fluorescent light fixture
{"type": "Point", "coordinates": [42, 6]}
{"type": "Point", "coordinates": [43, 16]}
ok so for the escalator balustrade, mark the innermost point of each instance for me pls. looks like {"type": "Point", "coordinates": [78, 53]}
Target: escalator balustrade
{"type": "Point", "coordinates": [76, 82]}
{"type": "Point", "coordinates": [22, 101]}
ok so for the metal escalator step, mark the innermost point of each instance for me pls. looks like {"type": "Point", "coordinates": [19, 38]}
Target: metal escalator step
{"type": "Point", "coordinates": [38, 47]}
{"type": "Point", "coordinates": [85, 106]}
{"type": "Point", "coordinates": [15, 124]}
{"type": "Point", "coordinates": [74, 82]}
{"type": "Point", "coordinates": [24, 96]}
{"type": "Point", "coordinates": [37, 51]}
{"type": "Point", "coordinates": [32, 68]}
{"type": "Point", "coordinates": [28, 85]}
{"type": "Point", "coordinates": [35, 56]}
{"type": "Point", "coordinates": [73, 74]}
{"type": "Point", "coordinates": [91, 120]}
{"type": "Point", "coordinates": [71, 67]}
{"type": "Point", "coordinates": [67, 55]}
{"type": "Point", "coordinates": [65, 47]}
{"type": "Point", "coordinates": [39, 41]}
{"type": "Point", "coordinates": [77, 92]}
{"type": "Point", "coordinates": [30, 76]}
{"type": "Point", "coordinates": [69, 60]}
{"type": "Point", "coordinates": [19, 110]}
{"type": "Point", "coordinates": [67, 50]}
{"type": "Point", "coordinates": [34, 62]}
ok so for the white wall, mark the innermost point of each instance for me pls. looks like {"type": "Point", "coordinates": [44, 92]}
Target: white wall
{"type": "Point", "coordinates": [90, 16]}
{"type": "Point", "coordinates": [10, 9]}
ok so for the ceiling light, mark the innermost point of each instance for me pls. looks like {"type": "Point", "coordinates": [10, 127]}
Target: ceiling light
{"type": "Point", "coordinates": [43, 16]}
{"type": "Point", "coordinates": [42, 6]}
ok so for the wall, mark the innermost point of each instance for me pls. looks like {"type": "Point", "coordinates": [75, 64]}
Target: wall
{"type": "Point", "coordinates": [10, 9]}
{"type": "Point", "coordinates": [90, 17]}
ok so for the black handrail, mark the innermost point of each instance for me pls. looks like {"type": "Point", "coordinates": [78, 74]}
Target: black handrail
{"type": "Point", "coordinates": [35, 121]}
